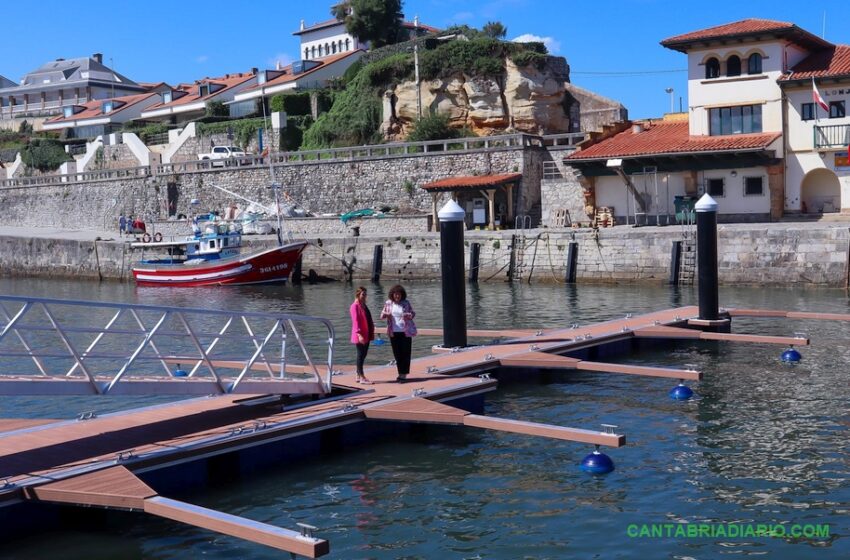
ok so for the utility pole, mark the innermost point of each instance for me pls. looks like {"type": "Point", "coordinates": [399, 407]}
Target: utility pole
{"type": "Point", "coordinates": [416, 66]}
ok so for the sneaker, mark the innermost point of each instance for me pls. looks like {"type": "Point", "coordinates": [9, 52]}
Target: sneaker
{"type": "Point", "coordinates": [401, 379]}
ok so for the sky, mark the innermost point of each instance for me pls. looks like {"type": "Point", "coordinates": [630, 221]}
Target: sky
{"type": "Point", "coordinates": [612, 46]}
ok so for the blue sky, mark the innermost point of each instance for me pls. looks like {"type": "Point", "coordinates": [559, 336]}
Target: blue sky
{"type": "Point", "coordinates": [611, 45]}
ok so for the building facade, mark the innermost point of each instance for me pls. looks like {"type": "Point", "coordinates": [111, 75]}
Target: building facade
{"type": "Point", "coordinates": [752, 137]}
{"type": "Point", "coordinates": [55, 85]}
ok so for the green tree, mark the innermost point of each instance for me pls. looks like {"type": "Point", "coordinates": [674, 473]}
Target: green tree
{"type": "Point", "coordinates": [376, 21]}
{"type": "Point", "coordinates": [216, 108]}
{"type": "Point", "coordinates": [494, 30]}
{"type": "Point", "coordinates": [432, 127]}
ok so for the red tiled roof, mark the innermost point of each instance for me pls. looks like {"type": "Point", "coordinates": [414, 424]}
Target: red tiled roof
{"type": "Point", "coordinates": [827, 63]}
{"type": "Point", "coordinates": [288, 76]}
{"type": "Point", "coordinates": [229, 81]}
{"type": "Point", "coordinates": [93, 109]}
{"type": "Point", "coordinates": [320, 25]}
{"type": "Point", "coordinates": [669, 138]}
{"type": "Point", "coordinates": [422, 26]}
{"type": "Point", "coordinates": [474, 181]}
{"type": "Point", "coordinates": [743, 28]}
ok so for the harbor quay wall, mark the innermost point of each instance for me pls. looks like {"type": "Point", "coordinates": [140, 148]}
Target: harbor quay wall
{"type": "Point", "coordinates": [747, 254]}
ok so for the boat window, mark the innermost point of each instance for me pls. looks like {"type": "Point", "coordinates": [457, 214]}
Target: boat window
{"type": "Point", "coordinates": [212, 244]}
{"type": "Point", "coordinates": [224, 242]}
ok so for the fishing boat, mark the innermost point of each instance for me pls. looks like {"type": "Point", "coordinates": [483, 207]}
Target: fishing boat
{"type": "Point", "coordinates": [213, 256]}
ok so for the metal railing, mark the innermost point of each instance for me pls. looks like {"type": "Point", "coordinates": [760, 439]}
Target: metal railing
{"type": "Point", "coordinates": [353, 153]}
{"type": "Point", "coordinates": [68, 347]}
{"type": "Point", "coordinates": [551, 170]}
{"type": "Point", "coordinates": [832, 136]}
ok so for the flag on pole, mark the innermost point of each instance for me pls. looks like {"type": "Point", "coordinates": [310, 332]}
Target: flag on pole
{"type": "Point", "coordinates": [817, 98]}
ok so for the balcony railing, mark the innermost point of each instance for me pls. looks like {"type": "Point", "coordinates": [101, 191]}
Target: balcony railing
{"type": "Point", "coordinates": [832, 136]}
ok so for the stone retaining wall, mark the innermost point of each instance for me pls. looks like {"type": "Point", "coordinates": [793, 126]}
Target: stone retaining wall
{"type": "Point", "coordinates": [318, 187]}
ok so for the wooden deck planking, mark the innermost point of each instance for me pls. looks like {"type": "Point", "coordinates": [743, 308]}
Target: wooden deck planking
{"type": "Point", "coordinates": [417, 410]}
{"type": "Point", "coordinates": [681, 333]}
{"type": "Point", "coordinates": [14, 424]}
{"type": "Point", "coordinates": [255, 531]}
{"type": "Point", "coordinates": [113, 487]}
{"type": "Point", "coordinates": [743, 312]}
{"type": "Point", "coordinates": [544, 430]}
{"type": "Point", "coordinates": [648, 371]}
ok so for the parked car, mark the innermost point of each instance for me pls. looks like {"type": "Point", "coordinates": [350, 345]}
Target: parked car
{"type": "Point", "coordinates": [222, 153]}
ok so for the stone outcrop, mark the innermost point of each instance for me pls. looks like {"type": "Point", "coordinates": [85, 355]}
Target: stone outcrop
{"type": "Point", "coordinates": [524, 99]}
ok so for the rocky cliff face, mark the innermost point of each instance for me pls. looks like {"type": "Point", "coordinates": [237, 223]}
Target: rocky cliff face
{"type": "Point", "coordinates": [525, 99]}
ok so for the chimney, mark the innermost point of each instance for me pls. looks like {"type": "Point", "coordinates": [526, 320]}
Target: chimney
{"type": "Point", "coordinates": [98, 57]}
{"type": "Point", "coordinates": [254, 71]}
{"type": "Point", "coordinates": [302, 25]}
{"type": "Point", "coordinates": [277, 65]}
{"type": "Point", "coordinates": [637, 128]}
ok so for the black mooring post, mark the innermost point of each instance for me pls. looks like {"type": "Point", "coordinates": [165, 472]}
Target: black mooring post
{"type": "Point", "coordinates": [474, 261]}
{"type": "Point", "coordinates": [675, 263]}
{"type": "Point", "coordinates": [377, 262]}
{"type": "Point", "coordinates": [572, 262]}
{"type": "Point", "coordinates": [296, 272]}
{"type": "Point", "coordinates": [706, 210]}
{"type": "Point", "coordinates": [454, 290]}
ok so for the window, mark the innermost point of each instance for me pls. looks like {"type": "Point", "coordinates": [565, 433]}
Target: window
{"type": "Point", "coordinates": [306, 53]}
{"type": "Point", "coordinates": [333, 48]}
{"type": "Point", "coordinates": [166, 97]}
{"type": "Point", "coordinates": [320, 51]}
{"type": "Point", "coordinates": [754, 64]}
{"type": "Point", "coordinates": [106, 107]}
{"type": "Point", "coordinates": [346, 44]}
{"type": "Point", "coordinates": [203, 90]}
{"type": "Point", "coordinates": [744, 119]}
{"type": "Point", "coordinates": [733, 66]}
{"type": "Point", "coordinates": [836, 109]}
{"type": "Point", "coordinates": [712, 68]}
{"type": "Point", "coordinates": [68, 112]}
{"type": "Point", "coordinates": [807, 111]}
{"type": "Point", "coordinates": [714, 187]}
{"type": "Point", "coordinates": [754, 186]}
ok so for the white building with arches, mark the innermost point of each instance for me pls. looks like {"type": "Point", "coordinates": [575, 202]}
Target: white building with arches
{"type": "Point", "coordinates": [755, 139]}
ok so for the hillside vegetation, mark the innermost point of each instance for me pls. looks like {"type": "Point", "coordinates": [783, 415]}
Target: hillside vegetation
{"type": "Point", "coordinates": [357, 111]}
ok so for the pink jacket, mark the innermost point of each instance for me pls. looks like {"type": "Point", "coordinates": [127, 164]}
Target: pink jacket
{"type": "Point", "coordinates": [360, 324]}
{"type": "Point", "coordinates": [409, 325]}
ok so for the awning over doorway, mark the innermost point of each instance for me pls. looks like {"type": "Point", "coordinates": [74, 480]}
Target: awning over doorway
{"type": "Point", "coordinates": [487, 185]}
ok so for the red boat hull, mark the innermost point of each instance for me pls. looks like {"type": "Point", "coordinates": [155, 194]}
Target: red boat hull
{"type": "Point", "coordinates": [261, 267]}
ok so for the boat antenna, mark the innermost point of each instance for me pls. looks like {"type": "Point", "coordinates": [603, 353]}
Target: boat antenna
{"type": "Point", "coordinates": [275, 186]}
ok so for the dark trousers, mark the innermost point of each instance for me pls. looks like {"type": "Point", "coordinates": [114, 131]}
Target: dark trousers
{"type": "Point", "coordinates": [402, 348]}
{"type": "Point", "coordinates": [362, 350]}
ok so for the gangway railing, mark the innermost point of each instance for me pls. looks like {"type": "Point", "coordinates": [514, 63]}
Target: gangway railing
{"type": "Point", "coordinates": [67, 347]}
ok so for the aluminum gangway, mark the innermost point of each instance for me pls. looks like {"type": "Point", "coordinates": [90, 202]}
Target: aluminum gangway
{"type": "Point", "coordinates": [70, 347]}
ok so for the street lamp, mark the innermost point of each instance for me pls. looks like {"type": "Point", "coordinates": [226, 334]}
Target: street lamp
{"type": "Point", "coordinates": [670, 91]}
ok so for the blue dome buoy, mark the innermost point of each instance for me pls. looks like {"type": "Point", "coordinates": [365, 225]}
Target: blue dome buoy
{"type": "Point", "coordinates": [180, 372]}
{"type": "Point", "coordinates": [379, 341]}
{"type": "Point", "coordinates": [597, 463]}
{"type": "Point", "coordinates": [681, 392]}
{"type": "Point", "coordinates": [791, 355]}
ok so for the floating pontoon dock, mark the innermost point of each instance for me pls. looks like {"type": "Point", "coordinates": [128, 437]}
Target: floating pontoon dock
{"type": "Point", "coordinates": [118, 460]}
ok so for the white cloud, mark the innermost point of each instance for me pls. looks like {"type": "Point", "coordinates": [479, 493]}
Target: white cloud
{"type": "Point", "coordinates": [282, 58]}
{"type": "Point", "coordinates": [553, 45]}
{"type": "Point", "coordinates": [461, 17]}
{"type": "Point", "coordinates": [201, 59]}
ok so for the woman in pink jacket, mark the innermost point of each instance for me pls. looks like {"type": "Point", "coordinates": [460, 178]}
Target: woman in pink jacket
{"type": "Point", "coordinates": [362, 331]}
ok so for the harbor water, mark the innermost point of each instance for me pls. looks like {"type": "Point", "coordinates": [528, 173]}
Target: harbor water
{"type": "Point", "coordinates": [763, 445]}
